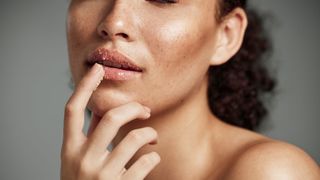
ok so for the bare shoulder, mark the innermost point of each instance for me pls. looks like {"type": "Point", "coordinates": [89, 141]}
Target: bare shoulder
{"type": "Point", "coordinates": [273, 159]}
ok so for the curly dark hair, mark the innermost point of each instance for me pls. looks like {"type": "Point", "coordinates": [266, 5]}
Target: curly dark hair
{"type": "Point", "coordinates": [235, 88]}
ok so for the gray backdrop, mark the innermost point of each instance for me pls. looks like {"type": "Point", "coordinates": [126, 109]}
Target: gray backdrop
{"type": "Point", "coordinates": [34, 82]}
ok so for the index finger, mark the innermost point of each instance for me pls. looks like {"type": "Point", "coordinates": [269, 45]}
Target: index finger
{"type": "Point", "coordinates": [75, 107]}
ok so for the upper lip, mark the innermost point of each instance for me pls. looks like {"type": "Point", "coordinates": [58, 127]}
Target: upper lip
{"type": "Point", "coordinates": [112, 58]}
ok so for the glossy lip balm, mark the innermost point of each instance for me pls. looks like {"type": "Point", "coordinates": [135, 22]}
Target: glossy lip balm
{"type": "Point", "coordinates": [111, 73]}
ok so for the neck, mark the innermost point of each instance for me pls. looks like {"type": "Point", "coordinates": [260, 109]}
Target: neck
{"type": "Point", "coordinates": [183, 136]}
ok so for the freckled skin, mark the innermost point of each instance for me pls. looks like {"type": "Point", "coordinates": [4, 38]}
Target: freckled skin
{"type": "Point", "coordinates": [173, 46]}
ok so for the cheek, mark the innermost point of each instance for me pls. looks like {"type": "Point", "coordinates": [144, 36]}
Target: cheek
{"type": "Point", "coordinates": [79, 35]}
{"type": "Point", "coordinates": [172, 39]}
{"type": "Point", "coordinates": [181, 47]}
{"type": "Point", "coordinates": [180, 58]}
{"type": "Point", "coordinates": [77, 28]}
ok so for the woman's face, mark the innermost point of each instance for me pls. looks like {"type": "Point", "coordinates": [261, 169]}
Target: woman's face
{"type": "Point", "coordinates": [172, 42]}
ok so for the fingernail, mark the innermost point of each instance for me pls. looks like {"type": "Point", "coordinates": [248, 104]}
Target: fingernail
{"type": "Point", "coordinates": [148, 115]}
{"type": "Point", "coordinates": [97, 68]}
{"type": "Point", "coordinates": [147, 109]}
{"type": "Point", "coordinates": [156, 157]}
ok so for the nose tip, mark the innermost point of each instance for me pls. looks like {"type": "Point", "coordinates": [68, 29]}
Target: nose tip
{"type": "Point", "coordinates": [115, 25]}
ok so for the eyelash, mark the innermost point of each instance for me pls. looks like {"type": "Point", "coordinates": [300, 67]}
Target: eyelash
{"type": "Point", "coordinates": [164, 1]}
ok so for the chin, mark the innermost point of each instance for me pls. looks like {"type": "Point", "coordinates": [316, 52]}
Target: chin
{"type": "Point", "coordinates": [102, 101]}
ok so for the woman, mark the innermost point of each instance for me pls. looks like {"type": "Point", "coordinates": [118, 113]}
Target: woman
{"type": "Point", "coordinates": [144, 67]}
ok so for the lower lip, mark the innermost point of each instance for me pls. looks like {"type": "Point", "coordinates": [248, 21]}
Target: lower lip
{"type": "Point", "coordinates": [119, 74]}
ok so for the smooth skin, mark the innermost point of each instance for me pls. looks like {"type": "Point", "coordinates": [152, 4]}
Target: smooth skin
{"type": "Point", "coordinates": [179, 137]}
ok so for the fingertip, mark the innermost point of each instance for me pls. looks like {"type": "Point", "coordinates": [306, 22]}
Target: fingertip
{"type": "Point", "coordinates": [147, 112]}
{"type": "Point", "coordinates": [154, 142]}
{"type": "Point", "coordinates": [155, 136]}
{"type": "Point", "coordinates": [98, 70]}
{"type": "Point", "coordinates": [97, 67]}
{"type": "Point", "coordinates": [147, 109]}
{"type": "Point", "coordinates": [147, 115]}
{"type": "Point", "coordinates": [156, 157]}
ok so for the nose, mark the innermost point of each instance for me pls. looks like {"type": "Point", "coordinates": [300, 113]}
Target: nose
{"type": "Point", "coordinates": [117, 23]}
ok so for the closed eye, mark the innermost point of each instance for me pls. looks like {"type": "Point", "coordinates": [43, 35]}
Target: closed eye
{"type": "Point", "coordinates": [164, 1]}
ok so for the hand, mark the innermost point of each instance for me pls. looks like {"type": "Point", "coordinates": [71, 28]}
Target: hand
{"type": "Point", "coordinates": [86, 157]}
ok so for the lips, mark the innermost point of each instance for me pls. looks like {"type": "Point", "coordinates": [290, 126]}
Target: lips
{"type": "Point", "coordinates": [117, 67]}
{"type": "Point", "coordinates": [112, 59]}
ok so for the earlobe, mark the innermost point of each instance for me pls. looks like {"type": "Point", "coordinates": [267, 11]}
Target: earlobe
{"type": "Point", "coordinates": [230, 36]}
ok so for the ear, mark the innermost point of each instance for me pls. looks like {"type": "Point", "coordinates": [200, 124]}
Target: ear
{"type": "Point", "coordinates": [230, 35]}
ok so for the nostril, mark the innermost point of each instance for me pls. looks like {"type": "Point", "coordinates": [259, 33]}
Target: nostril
{"type": "Point", "coordinates": [123, 35]}
{"type": "Point", "coordinates": [104, 33]}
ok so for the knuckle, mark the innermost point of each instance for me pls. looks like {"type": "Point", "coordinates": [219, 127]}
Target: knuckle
{"type": "Point", "coordinates": [136, 135]}
{"type": "Point", "coordinates": [151, 131]}
{"type": "Point", "coordinates": [138, 107]}
{"type": "Point", "coordinates": [109, 123]}
{"type": "Point", "coordinates": [68, 108]}
{"type": "Point", "coordinates": [85, 167]}
{"type": "Point", "coordinates": [71, 108]}
{"type": "Point", "coordinates": [134, 103]}
{"type": "Point", "coordinates": [141, 135]}
{"type": "Point", "coordinates": [111, 117]}
{"type": "Point", "coordinates": [148, 160]}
